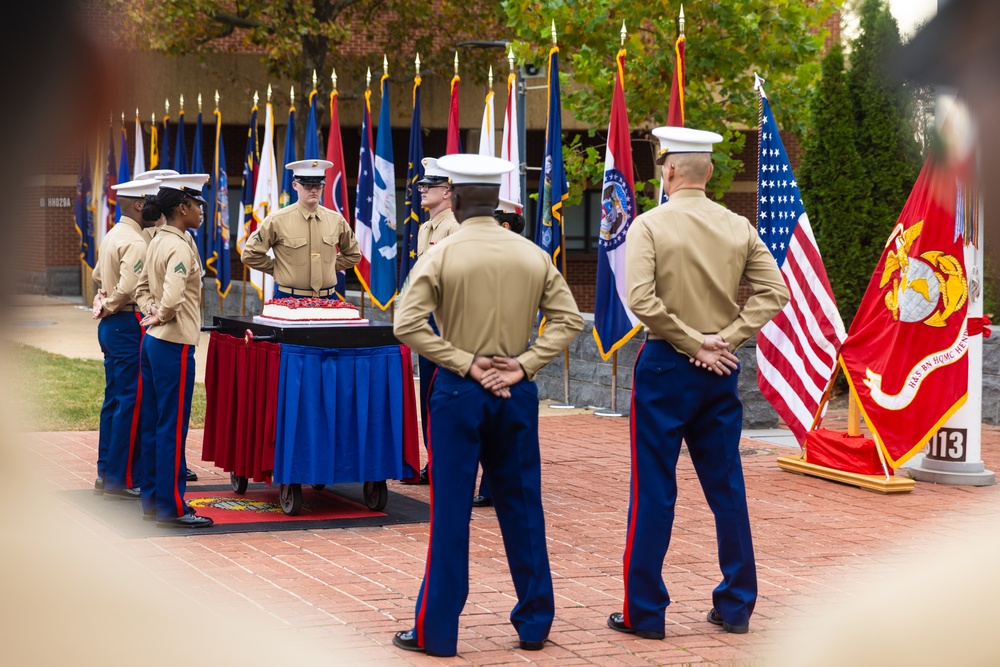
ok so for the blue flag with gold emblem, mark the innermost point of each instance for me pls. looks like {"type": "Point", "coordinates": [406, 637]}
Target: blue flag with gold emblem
{"type": "Point", "coordinates": [288, 195]}
{"type": "Point", "coordinates": [251, 159]}
{"type": "Point", "coordinates": [413, 212]}
{"type": "Point", "coordinates": [311, 150]}
{"type": "Point", "coordinates": [165, 162]}
{"type": "Point", "coordinates": [553, 189]}
{"type": "Point", "coordinates": [180, 148]}
{"type": "Point", "coordinates": [84, 219]}
{"type": "Point", "coordinates": [202, 236]}
{"type": "Point", "coordinates": [219, 229]}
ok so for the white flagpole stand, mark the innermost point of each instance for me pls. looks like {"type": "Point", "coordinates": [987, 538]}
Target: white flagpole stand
{"type": "Point", "coordinates": [953, 455]}
{"type": "Point", "coordinates": [613, 412]}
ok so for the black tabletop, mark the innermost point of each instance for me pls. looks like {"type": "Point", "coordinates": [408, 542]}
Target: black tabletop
{"type": "Point", "coordinates": [373, 334]}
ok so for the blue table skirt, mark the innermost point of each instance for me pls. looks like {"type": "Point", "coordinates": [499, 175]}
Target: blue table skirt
{"type": "Point", "coordinates": [341, 415]}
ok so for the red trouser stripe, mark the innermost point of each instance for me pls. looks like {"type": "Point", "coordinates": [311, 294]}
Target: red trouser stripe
{"type": "Point", "coordinates": [430, 533]}
{"type": "Point", "coordinates": [136, 411]}
{"type": "Point", "coordinates": [179, 448]}
{"type": "Point", "coordinates": [634, 491]}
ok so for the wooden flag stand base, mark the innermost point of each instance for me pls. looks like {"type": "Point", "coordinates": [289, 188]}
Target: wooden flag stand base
{"type": "Point", "coordinates": [878, 483]}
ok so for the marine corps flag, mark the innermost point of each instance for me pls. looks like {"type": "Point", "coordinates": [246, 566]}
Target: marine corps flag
{"type": "Point", "coordinates": [553, 189]}
{"type": "Point", "coordinates": [906, 352]}
{"type": "Point", "coordinates": [453, 144]}
{"type": "Point", "coordinates": [614, 323]}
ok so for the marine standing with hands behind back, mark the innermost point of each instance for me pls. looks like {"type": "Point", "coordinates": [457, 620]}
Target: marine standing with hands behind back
{"type": "Point", "coordinates": [485, 287]}
{"type": "Point", "coordinates": [684, 262]}
{"type": "Point", "coordinates": [120, 266]}
{"type": "Point", "coordinates": [172, 284]}
{"type": "Point", "coordinates": [310, 242]}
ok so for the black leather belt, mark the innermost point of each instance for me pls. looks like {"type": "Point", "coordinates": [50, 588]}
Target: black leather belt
{"type": "Point", "coordinates": [129, 308]}
{"type": "Point", "coordinates": [326, 291]}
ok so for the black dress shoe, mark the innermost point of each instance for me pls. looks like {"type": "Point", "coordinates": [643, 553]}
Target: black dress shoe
{"type": "Point", "coordinates": [424, 476]}
{"type": "Point", "coordinates": [482, 501]}
{"type": "Point", "coordinates": [186, 521]}
{"type": "Point", "coordinates": [128, 494]}
{"type": "Point", "coordinates": [99, 485]}
{"type": "Point", "coordinates": [190, 475]}
{"type": "Point", "coordinates": [616, 621]}
{"type": "Point", "coordinates": [714, 618]}
{"type": "Point", "coordinates": [407, 640]}
{"type": "Point", "coordinates": [531, 646]}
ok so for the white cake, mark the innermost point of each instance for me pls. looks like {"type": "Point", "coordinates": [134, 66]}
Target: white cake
{"type": "Point", "coordinates": [309, 310]}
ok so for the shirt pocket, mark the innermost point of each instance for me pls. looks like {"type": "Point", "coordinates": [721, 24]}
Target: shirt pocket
{"type": "Point", "coordinates": [328, 251]}
{"type": "Point", "coordinates": [295, 250]}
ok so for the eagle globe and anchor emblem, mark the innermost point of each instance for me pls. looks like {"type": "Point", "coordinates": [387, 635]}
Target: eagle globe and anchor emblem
{"type": "Point", "coordinates": [927, 288]}
{"type": "Point", "coordinates": [617, 208]}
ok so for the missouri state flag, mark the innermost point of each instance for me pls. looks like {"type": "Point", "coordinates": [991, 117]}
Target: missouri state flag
{"type": "Point", "coordinates": [614, 323]}
{"type": "Point", "coordinates": [906, 354]}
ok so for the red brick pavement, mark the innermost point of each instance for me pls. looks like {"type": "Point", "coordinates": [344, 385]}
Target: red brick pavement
{"type": "Point", "coordinates": [349, 590]}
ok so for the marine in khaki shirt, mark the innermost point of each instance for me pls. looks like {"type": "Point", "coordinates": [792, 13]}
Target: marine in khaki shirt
{"type": "Point", "coordinates": [172, 283]}
{"type": "Point", "coordinates": [435, 196]}
{"type": "Point", "coordinates": [684, 262]}
{"type": "Point", "coordinates": [310, 243]}
{"type": "Point", "coordinates": [120, 265]}
{"type": "Point", "coordinates": [456, 280]}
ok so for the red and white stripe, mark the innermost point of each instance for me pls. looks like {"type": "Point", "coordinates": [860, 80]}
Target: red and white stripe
{"type": "Point", "coordinates": [797, 350]}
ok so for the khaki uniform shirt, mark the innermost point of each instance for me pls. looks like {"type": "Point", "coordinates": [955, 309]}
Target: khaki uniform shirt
{"type": "Point", "coordinates": [305, 247]}
{"type": "Point", "coordinates": [173, 283]}
{"type": "Point", "coordinates": [120, 263]}
{"type": "Point", "coordinates": [684, 260]}
{"type": "Point", "coordinates": [485, 287]}
{"type": "Point", "coordinates": [435, 230]}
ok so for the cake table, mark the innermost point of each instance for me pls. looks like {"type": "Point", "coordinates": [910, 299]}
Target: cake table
{"type": "Point", "coordinates": [310, 405]}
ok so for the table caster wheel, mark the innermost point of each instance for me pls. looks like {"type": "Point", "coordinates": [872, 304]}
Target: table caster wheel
{"type": "Point", "coordinates": [319, 487]}
{"type": "Point", "coordinates": [376, 495]}
{"type": "Point", "coordinates": [290, 496]}
{"type": "Point", "coordinates": [238, 482]}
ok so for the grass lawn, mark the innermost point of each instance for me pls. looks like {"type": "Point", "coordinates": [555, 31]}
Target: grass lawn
{"type": "Point", "coordinates": [56, 393]}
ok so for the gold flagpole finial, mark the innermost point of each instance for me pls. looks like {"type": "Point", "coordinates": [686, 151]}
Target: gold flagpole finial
{"type": "Point", "coordinates": [153, 118]}
{"type": "Point", "coordinates": [385, 65]}
{"type": "Point", "coordinates": [256, 98]}
{"type": "Point", "coordinates": [510, 56]}
{"type": "Point", "coordinates": [333, 78]}
{"type": "Point", "coordinates": [555, 41]}
{"type": "Point", "coordinates": [199, 102]}
{"type": "Point", "coordinates": [456, 63]}
{"type": "Point", "coordinates": [123, 119]}
{"type": "Point", "coordinates": [623, 33]}
{"type": "Point", "coordinates": [680, 20]}
{"type": "Point", "coordinates": [315, 80]}
{"type": "Point", "coordinates": [182, 104]}
{"type": "Point", "coordinates": [368, 78]}
{"type": "Point", "coordinates": [416, 64]}
{"type": "Point", "coordinates": [166, 107]}
{"type": "Point", "coordinates": [216, 99]}
{"type": "Point", "coordinates": [491, 77]}
{"type": "Point", "coordinates": [291, 97]}
{"type": "Point", "coordinates": [137, 113]}
{"type": "Point", "coordinates": [268, 93]}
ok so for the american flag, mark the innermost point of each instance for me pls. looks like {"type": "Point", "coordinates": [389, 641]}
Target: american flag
{"type": "Point", "coordinates": [797, 350]}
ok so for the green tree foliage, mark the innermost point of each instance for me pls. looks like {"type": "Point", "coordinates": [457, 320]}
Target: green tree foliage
{"type": "Point", "coordinates": [834, 186]}
{"type": "Point", "coordinates": [883, 135]}
{"type": "Point", "coordinates": [726, 43]}
{"type": "Point", "coordinates": [295, 37]}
